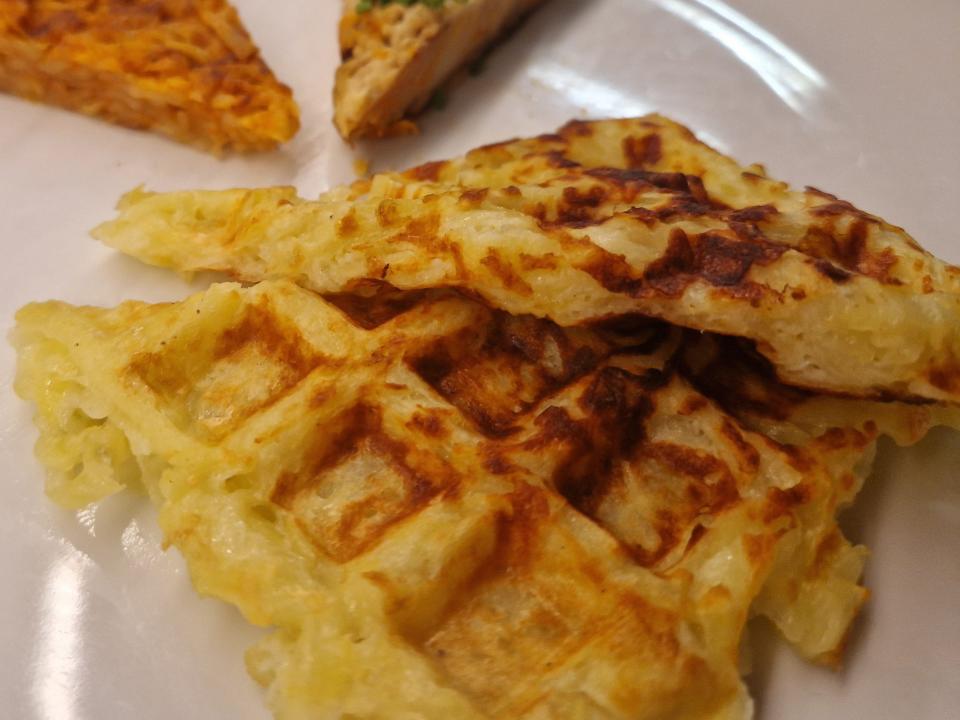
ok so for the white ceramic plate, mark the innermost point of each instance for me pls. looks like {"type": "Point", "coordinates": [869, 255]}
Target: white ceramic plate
{"type": "Point", "coordinates": [858, 98]}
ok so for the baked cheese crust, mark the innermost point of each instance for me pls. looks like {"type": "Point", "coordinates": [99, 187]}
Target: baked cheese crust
{"type": "Point", "coordinates": [183, 68]}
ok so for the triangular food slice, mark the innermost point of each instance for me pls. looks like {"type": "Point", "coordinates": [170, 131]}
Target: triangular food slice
{"type": "Point", "coordinates": [451, 512]}
{"type": "Point", "coordinates": [836, 299]}
{"type": "Point", "coordinates": [184, 68]}
{"type": "Point", "coordinates": [396, 54]}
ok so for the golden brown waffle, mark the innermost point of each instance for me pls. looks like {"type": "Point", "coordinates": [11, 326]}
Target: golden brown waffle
{"type": "Point", "coordinates": [599, 220]}
{"type": "Point", "coordinates": [445, 510]}
{"type": "Point", "coordinates": [395, 55]}
{"type": "Point", "coordinates": [184, 68]}
{"type": "Point", "coordinates": [744, 384]}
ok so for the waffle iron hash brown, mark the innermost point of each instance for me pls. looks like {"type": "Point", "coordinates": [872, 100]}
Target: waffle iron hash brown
{"type": "Point", "coordinates": [744, 383]}
{"type": "Point", "coordinates": [184, 68]}
{"type": "Point", "coordinates": [447, 511]}
{"type": "Point", "coordinates": [599, 220]}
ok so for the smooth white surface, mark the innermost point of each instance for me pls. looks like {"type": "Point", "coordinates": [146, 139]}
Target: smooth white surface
{"type": "Point", "coordinates": [858, 98]}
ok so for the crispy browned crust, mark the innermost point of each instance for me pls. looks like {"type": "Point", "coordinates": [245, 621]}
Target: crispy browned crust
{"type": "Point", "coordinates": [509, 500]}
{"type": "Point", "coordinates": [395, 57]}
{"type": "Point", "coordinates": [596, 220]}
{"type": "Point", "coordinates": [186, 69]}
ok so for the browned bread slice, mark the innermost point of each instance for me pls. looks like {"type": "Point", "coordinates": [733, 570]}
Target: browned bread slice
{"type": "Point", "coordinates": [395, 55]}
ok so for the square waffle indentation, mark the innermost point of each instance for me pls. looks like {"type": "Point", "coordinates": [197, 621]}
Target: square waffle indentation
{"type": "Point", "coordinates": [354, 485]}
{"type": "Point", "coordinates": [497, 376]}
{"type": "Point", "coordinates": [212, 379]}
{"type": "Point", "coordinates": [523, 625]}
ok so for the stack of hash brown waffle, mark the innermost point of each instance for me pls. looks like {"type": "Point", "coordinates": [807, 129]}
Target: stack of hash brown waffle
{"type": "Point", "coordinates": [508, 436]}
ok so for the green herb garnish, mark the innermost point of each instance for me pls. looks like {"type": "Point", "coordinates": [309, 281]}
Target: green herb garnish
{"type": "Point", "coordinates": [367, 5]}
